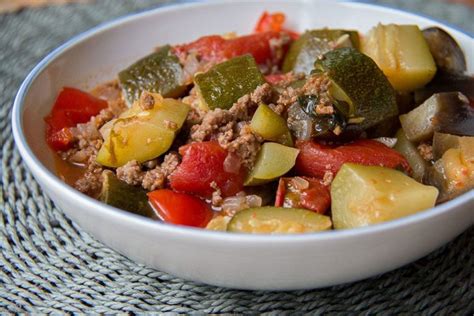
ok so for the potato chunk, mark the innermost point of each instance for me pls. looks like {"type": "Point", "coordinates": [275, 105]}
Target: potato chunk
{"type": "Point", "coordinates": [403, 55]}
{"type": "Point", "coordinates": [366, 195]}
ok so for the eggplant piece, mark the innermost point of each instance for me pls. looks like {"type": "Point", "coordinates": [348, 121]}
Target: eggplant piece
{"type": "Point", "coordinates": [442, 142]}
{"type": "Point", "coordinates": [225, 83]}
{"type": "Point", "coordinates": [124, 196]}
{"type": "Point", "coordinates": [358, 82]}
{"type": "Point", "coordinates": [313, 44]}
{"type": "Point", "coordinates": [447, 83]}
{"type": "Point", "coordinates": [446, 52]}
{"type": "Point", "coordinates": [448, 112]}
{"type": "Point", "coordinates": [159, 72]}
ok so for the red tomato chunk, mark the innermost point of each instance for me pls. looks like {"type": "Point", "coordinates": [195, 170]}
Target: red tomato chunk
{"type": "Point", "coordinates": [202, 164]}
{"type": "Point", "coordinates": [315, 159]}
{"type": "Point", "coordinates": [180, 208]}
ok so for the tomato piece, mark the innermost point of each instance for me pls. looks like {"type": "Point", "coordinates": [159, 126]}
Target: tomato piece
{"type": "Point", "coordinates": [316, 159]}
{"type": "Point", "coordinates": [180, 208]}
{"type": "Point", "coordinates": [316, 197]}
{"type": "Point", "coordinates": [71, 107]}
{"type": "Point", "coordinates": [215, 48]}
{"type": "Point", "coordinates": [202, 164]}
{"type": "Point", "coordinates": [273, 22]}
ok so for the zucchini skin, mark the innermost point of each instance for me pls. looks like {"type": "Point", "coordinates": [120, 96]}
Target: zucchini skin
{"type": "Point", "coordinates": [159, 72]}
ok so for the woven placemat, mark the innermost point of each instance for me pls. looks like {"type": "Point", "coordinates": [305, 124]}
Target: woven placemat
{"type": "Point", "coordinates": [48, 264]}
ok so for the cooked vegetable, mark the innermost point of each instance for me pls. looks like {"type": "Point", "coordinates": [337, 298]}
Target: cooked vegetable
{"type": "Point", "coordinates": [273, 22]}
{"type": "Point", "coordinates": [453, 174]}
{"type": "Point", "coordinates": [204, 163]}
{"type": "Point", "coordinates": [411, 153]}
{"type": "Point", "coordinates": [72, 106]}
{"type": "Point", "coordinates": [180, 208]}
{"type": "Point", "coordinates": [446, 52]}
{"type": "Point", "coordinates": [402, 53]}
{"type": "Point", "coordinates": [447, 83]}
{"type": "Point", "coordinates": [159, 72]}
{"type": "Point", "coordinates": [278, 220]}
{"type": "Point", "coordinates": [270, 126]}
{"type": "Point", "coordinates": [219, 222]}
{"type": "Point", "coordinates": [273, 161]}
{"type": "Point", "coordinates": [226, 82]}
{"type": "Point", "coordinates": [448, 112]}
{"type": "Point", "coordinates": [316, 159]}
{"type": "Point", "coordinates": [313, 44]}
{"type": "Point", "coordinates": [217, 49]}
{"type": "Point", "coordinates": [358, 82]}
{"type": "Point", "coordinates": [366, 195]}
{"type": "Point", "coordinates": [143, 136]}
{"type": "Point", "coordinates": [442, 142]}
{"type": "Point", "coordinates": [302, 192]}
{"type": "Point", "coordinates": [121, 195]}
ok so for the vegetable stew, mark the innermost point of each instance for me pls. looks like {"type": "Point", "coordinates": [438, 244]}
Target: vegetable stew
{"type": "Point", "coordinates": [276, 131]}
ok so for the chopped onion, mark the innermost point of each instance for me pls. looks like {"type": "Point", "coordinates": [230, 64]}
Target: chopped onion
{"type": "Point", "coordinates": [387, 141]}
{"type": "Point", "coordinates": [299, 183]}
{"type": "Point", "coordinates": [232, 163]}
{"type": "Point", "coordinates": [253, 200]}
{"type": "Point", "coordinates": [299, 122]}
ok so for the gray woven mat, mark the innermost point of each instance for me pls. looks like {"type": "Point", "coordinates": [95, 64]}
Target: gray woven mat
{"type": "Point", "coordinates": [47, 264]}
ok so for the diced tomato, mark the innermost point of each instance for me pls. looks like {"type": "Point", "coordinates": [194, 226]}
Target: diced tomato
{"type": "Point", "coordinates": [315, 159]}
{"type": "Point", "coordinates": [273, 22]}
{"type": "Point", "coordinates": [215, 48]}
{"type": "Point", "coordinates": [180, 208]}
{"type": "Point", "coordinates": [315, 197]}
{"type": "Point", "coordinates": [72, 107]}
{"type": "Point", "coordinates": [202, 164]}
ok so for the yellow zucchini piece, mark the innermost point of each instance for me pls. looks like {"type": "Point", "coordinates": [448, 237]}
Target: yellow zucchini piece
{"type": "Point", "coordinates": [278, 220]}
{"type": "Point", "coordinates": [366, 195]}
{"type": "Point", "coordinates": [270, 125]}
{"type": "Point", "coordinates": [402, 53]}
{"type": "Point", "coordinates": [145, 135]}
{"type": "Point", "coordinates": [273, 161]}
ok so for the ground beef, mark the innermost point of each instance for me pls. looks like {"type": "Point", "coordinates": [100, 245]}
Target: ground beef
{"type": "Point", "coordinates": [217, 198]}
{"type": "Point", "coordinates": [426, 151]}
{"type": "Point", "coordinates": [147, 101]}
{"type": "Point", "coordinates": [130, 173]}
{"type": "Point", "coordinates": [156, 178]}
{"type": "Point", "coordinates": [91, 182]}
{"type": "Point", "coordinates": [246, 145]}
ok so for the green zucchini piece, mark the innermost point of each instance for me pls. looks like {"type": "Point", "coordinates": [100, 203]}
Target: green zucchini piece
{"type": "Point", "coordinates": [225, 83]}
{"type": "Point", "coordinates": [315, 43]}
{"type": "Point", "coordinates": [270, 126]}
{"type": "Point", "coordinates": [159, 72]}
{"type": "Point", "coordinates": [278, 220]}
{"type": "Point", "coordinates": [121, 195]}
{"type": "Point", "coordinates": [358, 82]}
{"type": "Point", "coordinates": [273, 161]}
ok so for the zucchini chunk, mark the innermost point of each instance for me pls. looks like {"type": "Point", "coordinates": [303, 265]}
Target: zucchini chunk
{"type": "Point", "coordinates": [403, 55]}
{"type": "Point", "coordinates": [357, 82]}
{"type": "Point", "coordinates": [448, 112]}
{"type": "Point", "coordinates": [121, 195]}
{"type": "Point", "coordinates": [411, 153]}
{"type": "Point", "coordinates": [278, 220]}
{"type": "Point", "coordinates": [270, 126]}
{"type": "Point", "coordinates": [366, 195]}
{"type": "Point", "coordinates": [159, 72]}
{"type": "Point", "coordinates": [145, 135]}
{"type": "Point", "coordinates": [315, 43]}
{"type": "Point", "coordinates": [442, 142]}
{"type": "Point", "coordinates": [273, 161]}
{"type": "Point", "coordinates": [225, 83]}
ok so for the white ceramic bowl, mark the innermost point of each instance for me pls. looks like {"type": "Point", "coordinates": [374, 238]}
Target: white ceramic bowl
{"type": "Point", "coordinates": [230, 260]}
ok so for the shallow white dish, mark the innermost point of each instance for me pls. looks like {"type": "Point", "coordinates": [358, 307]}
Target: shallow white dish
{"type": "Point", "coordinates": [224, 259]}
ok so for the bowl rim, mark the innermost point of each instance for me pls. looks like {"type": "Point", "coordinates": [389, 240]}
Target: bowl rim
{"type": "Point", "coordinates": [38, 169]}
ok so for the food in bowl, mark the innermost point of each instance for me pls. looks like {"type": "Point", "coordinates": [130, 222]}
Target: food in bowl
{"type": "Point", "coordinates": [276, 132]}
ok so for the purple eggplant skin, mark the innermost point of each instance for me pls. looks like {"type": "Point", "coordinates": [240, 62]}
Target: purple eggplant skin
{"type": "Point", "coordinates": [456, 116]}
{"type": "Point", "coordinates": [448, 56]}
{"type": "Point", "coordinates": [447, 83]}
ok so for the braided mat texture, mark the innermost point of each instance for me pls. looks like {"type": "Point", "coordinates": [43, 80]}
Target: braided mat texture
{"type": "Point", "coordinates": [47, 264]}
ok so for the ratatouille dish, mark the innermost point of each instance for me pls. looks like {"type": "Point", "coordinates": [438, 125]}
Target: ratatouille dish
{"type": "Point", "coordinates": [276, 132]}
